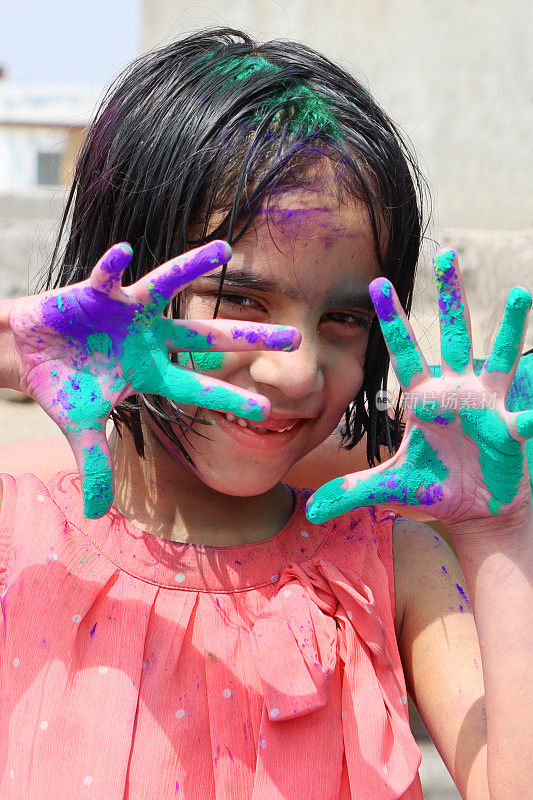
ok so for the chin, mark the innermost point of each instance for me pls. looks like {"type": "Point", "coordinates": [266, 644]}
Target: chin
{"type": "Point", "coordinates": [238, 486]}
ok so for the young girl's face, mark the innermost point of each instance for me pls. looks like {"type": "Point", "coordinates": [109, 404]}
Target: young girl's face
{"type": "Point", "coordinates": [306, 262]}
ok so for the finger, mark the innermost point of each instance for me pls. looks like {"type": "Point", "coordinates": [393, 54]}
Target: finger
{"type": "Point", "coordinates": [407, 360]}
{"type": "Point", "coordinates": [414, 477]}
{"type": "Point", "coordinates": [165, 282]}
{"type": "Point", "coordinates": [502, 362]}
{"type": "Point", "coordinates": [94, 461]}
{"type": "Point", "coordinates": [523, 423]}
{"type": "Point", "coordinates": [193, 388]}
{"type": "Point", "coordinates": [520, 394]}
{"type": "Point", "coordinates": [455, 336]}
{"type": "Point", "coordinates": [220, 335]}
{"type": "Point", "coordinates": [107, 273]}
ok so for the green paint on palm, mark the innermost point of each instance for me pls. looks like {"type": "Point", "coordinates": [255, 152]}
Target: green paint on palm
{"type": "Point", "coordinates": [429, 412]}
{"type": "Point", "coordinates": [100, 343]}
{"type": "Point", "coordinates": [500, 456]}
{"type": "Point", "coordinates": [417, 481]}
{"type": "Point", "coordinates": [86, 406]}
{"type": "Point", "coordinates": [97, 482]}
{"type": "Point", "coordinates": [455, 340]}
{"type": "Point", "coordinates": [507, 343]}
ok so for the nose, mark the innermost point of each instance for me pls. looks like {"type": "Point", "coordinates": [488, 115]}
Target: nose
{"type": "Point", "coordinates": [296, 375]}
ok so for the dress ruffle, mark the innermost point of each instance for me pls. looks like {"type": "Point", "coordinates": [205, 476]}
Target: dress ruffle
{"type": "Point", "coordinates": [318, 614]}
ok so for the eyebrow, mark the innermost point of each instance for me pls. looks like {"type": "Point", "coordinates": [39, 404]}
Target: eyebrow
{"type": "Point", "coordinates": [245, 279]}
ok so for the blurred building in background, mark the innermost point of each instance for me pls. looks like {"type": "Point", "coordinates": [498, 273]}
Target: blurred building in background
{"type": "Point", "coordinates": [42, 128]}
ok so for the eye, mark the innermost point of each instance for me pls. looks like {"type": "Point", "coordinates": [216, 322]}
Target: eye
{"type": "Point", "coordinates": [349, 319]}
{"type": "Point", "coordinates": [241, 301]}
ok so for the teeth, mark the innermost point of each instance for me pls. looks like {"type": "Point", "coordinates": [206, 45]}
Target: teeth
{"type": "Point", "coordinates": [244, 424]}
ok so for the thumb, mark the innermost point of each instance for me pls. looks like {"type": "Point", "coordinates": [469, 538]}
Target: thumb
{"type": "Point", "coordinates": [369, 487]}
{"type": "Point", "coordinates": [413, 477]}
{"type": "Point", "coordinates": [95, 466]}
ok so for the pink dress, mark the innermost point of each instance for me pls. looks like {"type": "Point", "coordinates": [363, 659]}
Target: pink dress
{"type": "Point", "coordinates": [134, 668]}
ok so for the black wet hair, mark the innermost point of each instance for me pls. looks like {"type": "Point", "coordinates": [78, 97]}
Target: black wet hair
{"type": "Point", "coordinates": [217, 123]}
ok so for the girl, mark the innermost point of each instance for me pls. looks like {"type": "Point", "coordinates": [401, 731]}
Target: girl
{"type": "Point", "coordinates": [173, 624]}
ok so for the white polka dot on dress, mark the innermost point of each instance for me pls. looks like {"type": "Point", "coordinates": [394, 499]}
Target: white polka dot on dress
{"type": "Point", "coordinates": [304, 533]}
{"type": "Point", "coordinates": [274, 712]}
{"type": "Point", "coordinates": [349, 615]}
{"type": "Point", "coordinates": [102, 670]}
{"type": "Point", "coordinates": [403, 699]}
{"type": "Point", "coordinates": [179, 578]}
{"type": "Point", "coordinates": [76, 618]}
{"type": "Point", "coordinates": [44, 725]}
{"type": "Point", "coordinates": [180, 713]}
{"type": "Point", "coordinates": [88, 780]}
{"type": "Point", "coordinates": [16, 662]}
{"type": "Point", "coordinates": [274, 578]}
{"type": "Point", "coordinates": [40, 498]}
{"type": "Point", "coordinates": [227, 692]}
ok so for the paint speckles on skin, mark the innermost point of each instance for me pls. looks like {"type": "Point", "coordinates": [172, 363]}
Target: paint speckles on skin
{"type": "Point", "coordinates": [463, 595]}
{"type": "Point", "coordinates": [418, 481]}
{"type": "Point", "coordinates": [455, 340]}
{"type": "Point", "coordinates": [507, 343]}
{"type": "Point", "coordinates": [500, 456]}
{"type": "Point", "coordinates": [407, 363]}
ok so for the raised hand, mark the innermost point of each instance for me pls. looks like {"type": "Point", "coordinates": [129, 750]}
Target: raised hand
{"type": "Point", "coordinates": [462, 455]}
{"type": "Point", "coordinates": [84, 348]}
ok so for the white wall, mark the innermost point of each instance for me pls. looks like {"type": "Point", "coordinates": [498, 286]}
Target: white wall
{"type": "Point", "coordinates": [456, 74]}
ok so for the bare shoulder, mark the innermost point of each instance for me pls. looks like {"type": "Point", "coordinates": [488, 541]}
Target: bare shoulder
{"type": "Point", "coordinates": [420, 556]}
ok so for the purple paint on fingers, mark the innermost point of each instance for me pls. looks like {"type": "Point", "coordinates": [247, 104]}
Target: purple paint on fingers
{"type": "Point", "coordinates": [214, 255]}
{"type": "Point", "coordinates": [381, 294]}
{"type": "Point", "coordinates": [281, 339]}
{"type": "Point", "coordinates": [117, 259]}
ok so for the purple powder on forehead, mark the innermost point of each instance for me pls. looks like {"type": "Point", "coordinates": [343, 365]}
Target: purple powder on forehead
{"type": "Point", "coordinates": [382, 297]}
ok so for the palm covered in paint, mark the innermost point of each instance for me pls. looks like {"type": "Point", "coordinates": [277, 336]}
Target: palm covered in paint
{"type": "Point", "coordinates": [84, 348]}
{"type": "Point", "coordinates": [462, 455]}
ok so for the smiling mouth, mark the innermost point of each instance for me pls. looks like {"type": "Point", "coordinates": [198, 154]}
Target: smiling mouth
{"type": "Point", "coordinates": [268, 426]}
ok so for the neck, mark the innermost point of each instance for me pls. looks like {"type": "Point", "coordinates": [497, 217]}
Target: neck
{"type": "Point", "coordinates": [164, 497]}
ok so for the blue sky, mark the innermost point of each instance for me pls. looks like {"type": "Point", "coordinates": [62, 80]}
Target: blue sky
{"type": "Point", "coordinates": [86, 41]}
